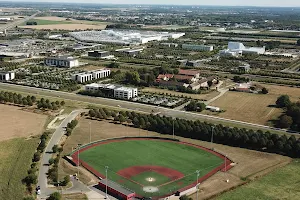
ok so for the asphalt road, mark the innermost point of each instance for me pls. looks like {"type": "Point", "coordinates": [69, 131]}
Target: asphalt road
{"type": "Point", "coordinates": [60, 131]}
{"type": "Point", "coordinates": [139, 107]}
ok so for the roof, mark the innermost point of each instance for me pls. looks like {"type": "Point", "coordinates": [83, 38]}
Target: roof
{"type": "Point", "coordinates": [188, 72]}
{"type": "Point", "coordinates": [161, 76]}
{"type": "Point", "coordinates": [171, 83]}
{"type": "Point", "coordinates": [66, 58]}
{"type": "Point", "coordinates": [183, 77]}
{"type": "Point", "coordinates": [202, 80]}
{"type": "Point", "coordinates": [194, 84]}
{"type": "Point", "coordinates": [116, 186]}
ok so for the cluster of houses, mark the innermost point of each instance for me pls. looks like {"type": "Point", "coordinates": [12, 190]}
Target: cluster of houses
{"type": "Point", "coordinates": [185, 78]}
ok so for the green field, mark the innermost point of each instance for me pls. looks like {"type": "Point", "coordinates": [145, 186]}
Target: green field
{"type": "Point", "coordinates": [47, 22]}
{"type": "Point", "coordinates": [120, 155]}
{"type": "Point", "coordinates": [15, 160]}
{"type": "Point", "coordinates": [284, 183]}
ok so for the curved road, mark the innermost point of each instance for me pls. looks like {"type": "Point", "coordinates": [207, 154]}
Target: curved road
{"type": "Point", "coordinates": [140, 107]}
{"type": "Point", "coordinates": [56, 136]}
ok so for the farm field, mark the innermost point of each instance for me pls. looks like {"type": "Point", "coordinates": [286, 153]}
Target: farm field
{"type": "Point", "coordinates": [253, 108]}
{"type": "Point", "coordinates": [18, 123]}
{"type": "Point", "coordinates": [157, 163]}
{"type": "Point", "coordinates": [15, 160]}
{"type": "Point", "coordinates": [46, 22]}
{"type": "Point", "coordinates": [251, 164]}
{"type": "Point", "coordinates": [283, 183]}
{"type": "Point", "coordinates": [277, 90]}
{"type": "Point", "coordinates": [205, 97]}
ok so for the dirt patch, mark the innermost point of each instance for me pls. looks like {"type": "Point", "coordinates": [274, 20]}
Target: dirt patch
{"type": "Point", "coordinates": [135, 170]}
{"type": "Point", "coordinates": [52, 18]}
{"type": "Point", "coordinates": [70, 27]}
{"type": "Point", "coordinates": [17, 123]}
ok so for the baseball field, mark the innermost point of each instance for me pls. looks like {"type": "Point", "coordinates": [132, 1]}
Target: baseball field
{"type": "Point", "coordinates": [151, 167]}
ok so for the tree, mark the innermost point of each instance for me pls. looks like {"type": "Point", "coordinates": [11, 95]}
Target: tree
{"type": "Point", "coordinates": [285, 121]}
{"type": "Point", "coordinates": [62, 103]}
{"type": "Point", "coordinates": [298, 42]}
{"type": "Point", "coordinates": [92, 113]}
{"type": "Point", "coordinates": [122, 118]}
{"type": "Point", "coordinates": [210, 83]}
{"type": "Point", "coordinates": [30, 179]}
{"type": "Point", "coordinates": [51, 161]}
{"type": "Point", "coordinates": [265, 91]}
{"type": "Point", "coordinates": [66, 180]}
{"type": "Point", "coordinates": [283, 101]}
{"type": "Point", "coordinates": [55, 148]}
{"type": "Point", "coordinates": [36, 156]}
{"type": "Point", "coordinates": [55, 196]}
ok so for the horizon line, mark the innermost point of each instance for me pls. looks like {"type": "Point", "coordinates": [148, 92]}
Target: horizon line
{"type": "Point", "coordinates": [147, 4]}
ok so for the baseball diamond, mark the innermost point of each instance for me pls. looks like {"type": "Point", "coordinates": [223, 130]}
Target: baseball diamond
{"type": "Point", "coordinates": [151, 167]}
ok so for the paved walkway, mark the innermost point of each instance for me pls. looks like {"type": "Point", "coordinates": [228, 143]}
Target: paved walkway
{"type": "Point", "coordinates": [44, 163]}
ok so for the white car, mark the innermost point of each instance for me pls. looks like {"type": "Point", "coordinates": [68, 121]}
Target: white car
{"type": "Point", "coordinates": [38, 192]}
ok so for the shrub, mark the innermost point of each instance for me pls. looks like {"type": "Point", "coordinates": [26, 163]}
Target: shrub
{"type": "Point", "coordinates": [55, 196]}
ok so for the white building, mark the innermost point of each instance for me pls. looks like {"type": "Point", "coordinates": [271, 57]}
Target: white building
{"type": "Point", "coordinates": [62, 61]}
{"type": "Point", "coordinates": [237, 48]}
{"type": "Point", "coordinates": [114, 90]}
{"type": "Point", "coordinates": [91, 75]}
{"type": "Point", "coordinates": [198, 47]}
{"type": "Point", "coordinates": [7, 76]}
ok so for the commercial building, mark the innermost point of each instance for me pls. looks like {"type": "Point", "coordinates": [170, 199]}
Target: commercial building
{"type": "Point", "coordinates": [130, 52]}
{"type": "Point", "coordinates": [124, 37]}
{"type": "Point", "coordinates": [62, 61]}
{"type": "Point", "coordinates": [193, 63]}
{"type": "Point", "coordinates": [7, 76]}
{"type": "Point", "coordinates": [116, 91]}
{"type": "Point", "coordinates": [91, 75]}
{"type": "Point", "coordinates": [191, 73]}
{"type": "Point", "coordinates": [237, 48]}
{"type": "Point", "coordinates": [197, 47]}
{"type": "Point", "coordinates": [174, 45]}
{"type": "Point", "coordinates": [98, 54]}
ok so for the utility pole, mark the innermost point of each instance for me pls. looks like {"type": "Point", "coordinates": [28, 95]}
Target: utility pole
{"type": "Point", "coordinates": [106, 168]}
{"type": "Point", "coordinates": [198, 174]}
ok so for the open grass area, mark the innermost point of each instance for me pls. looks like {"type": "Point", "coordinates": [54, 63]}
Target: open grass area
{"type": "Point", "coordinates": [206, 97]}
{"type": "Point", "coordinates": [47, 22]}
{"type": "Point", "coordinates": [177, 156]}
{"type": "Point", "coordinates": [283, 183]}
{"type": "Point", "coordinates": [15, 160]}
{"type": "Point", "coordinates": [247, 107]}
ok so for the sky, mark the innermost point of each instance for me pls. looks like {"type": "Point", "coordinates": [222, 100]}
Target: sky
{"type": "Point", "coordinates": [273, 3]}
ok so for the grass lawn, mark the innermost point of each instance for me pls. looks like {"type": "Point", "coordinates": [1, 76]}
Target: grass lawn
{"type": "Point", "coordinates": [15, 160]}
{"type": "Point", "coordinates": [120, 155]}
{"type": "Point", "coordinates": [280, 184]}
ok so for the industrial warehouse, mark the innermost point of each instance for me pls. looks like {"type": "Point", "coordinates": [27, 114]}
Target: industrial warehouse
{"type": "Point", "coordinates": [125, 37]}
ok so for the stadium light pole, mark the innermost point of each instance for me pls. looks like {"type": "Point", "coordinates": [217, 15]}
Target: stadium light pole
{"type": "Point", "coordinates": [90, 132]}
{"type": "Point", "coordinates": [106, 168]}
{"type": "Point", "coordinates": [173, 129]}
{"type": "Point", "coordinates": [78, 163]}
{"type": "Point", "coordinates": [198, 174]}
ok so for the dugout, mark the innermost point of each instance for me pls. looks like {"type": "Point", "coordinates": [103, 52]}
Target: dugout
{"type": "Point", "coordinates": [116, 190]}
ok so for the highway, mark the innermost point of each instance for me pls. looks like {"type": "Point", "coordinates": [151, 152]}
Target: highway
{"type": "Point", "coordinates": [139, 107]}
{"type": "Point", "coordinates": [16, 23]}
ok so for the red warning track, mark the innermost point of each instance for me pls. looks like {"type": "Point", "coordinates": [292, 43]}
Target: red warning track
{"type": "Point", "coordinates": [171, 173]}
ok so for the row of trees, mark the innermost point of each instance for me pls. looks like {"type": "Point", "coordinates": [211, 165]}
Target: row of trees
{"type": "Point", "coordinates": [15, 98]}
{"type": "Point", "coordinates": [31, 178]}
{"type": "Point", "coordinates": [291, 118]}
{"type": "Point", "coordinates": [46, 104]}
{"type": "Point", "coordinates": [250, 139]}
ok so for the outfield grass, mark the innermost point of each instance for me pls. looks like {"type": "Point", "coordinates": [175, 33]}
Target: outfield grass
{"type": "Point", "coordinates": [15, 160]}
{"type": "Point", "coordinates": [120, 155]}
{"type": "Point", "coordinates": [281, 184]}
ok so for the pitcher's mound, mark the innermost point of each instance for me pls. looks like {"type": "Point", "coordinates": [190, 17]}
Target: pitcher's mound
{"type": "Point", "coordinates": [150, 189]}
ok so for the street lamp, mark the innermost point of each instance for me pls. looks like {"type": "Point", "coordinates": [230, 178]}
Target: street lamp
{"type": "Point", "coordinates": [197, 185]}
{"type": "Point", "coordinates": [106, 168]}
